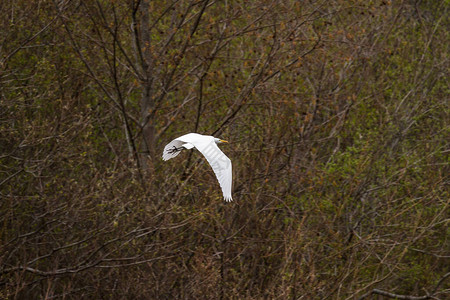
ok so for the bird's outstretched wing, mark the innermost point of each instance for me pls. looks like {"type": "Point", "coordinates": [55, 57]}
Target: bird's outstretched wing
{"type": "Point", "coordinates": [220, 164]}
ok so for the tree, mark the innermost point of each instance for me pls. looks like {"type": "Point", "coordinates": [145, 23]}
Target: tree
{"type": "Point", "coordinates": [337, 119]}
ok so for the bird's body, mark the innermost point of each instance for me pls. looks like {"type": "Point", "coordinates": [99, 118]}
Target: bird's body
{"type": "Point", "coordinates": [207, 145]}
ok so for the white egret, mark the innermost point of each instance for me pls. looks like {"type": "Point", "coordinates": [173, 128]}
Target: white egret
{"type": "Point", "coordinates": [207, 145]}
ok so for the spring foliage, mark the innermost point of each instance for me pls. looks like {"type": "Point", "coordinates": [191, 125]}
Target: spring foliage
{"type": "Point", "coordinates": [337, 117]}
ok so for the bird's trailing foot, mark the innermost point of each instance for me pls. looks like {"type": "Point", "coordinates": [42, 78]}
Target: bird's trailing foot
{"type": "Point", "coordinates": [174, 149]}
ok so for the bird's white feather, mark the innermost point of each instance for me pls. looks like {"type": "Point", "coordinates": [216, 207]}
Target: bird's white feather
{"type": "Point", "coordinates": [221, 166]}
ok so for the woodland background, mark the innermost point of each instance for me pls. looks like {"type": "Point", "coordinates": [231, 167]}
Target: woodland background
{"type": "Point", "coordinates": [338, 118]}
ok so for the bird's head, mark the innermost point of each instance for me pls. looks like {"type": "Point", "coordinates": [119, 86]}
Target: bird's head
{"type": "Point", "coordinates": [219, 141]}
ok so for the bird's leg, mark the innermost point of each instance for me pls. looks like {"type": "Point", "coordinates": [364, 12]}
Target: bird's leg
{"type": "Point", "coordinates": [174, 149]}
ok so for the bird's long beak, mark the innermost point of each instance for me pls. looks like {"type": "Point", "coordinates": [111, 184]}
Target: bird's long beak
{"type": "Point", "coordinates": [223, 141]}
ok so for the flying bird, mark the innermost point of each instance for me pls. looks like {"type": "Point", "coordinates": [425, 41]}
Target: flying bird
{"type": "Point", "coordinates": [207, 145]}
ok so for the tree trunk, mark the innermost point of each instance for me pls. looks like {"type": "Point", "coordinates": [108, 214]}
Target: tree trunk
{"type": "Point", "coordinates": [147, 101]}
